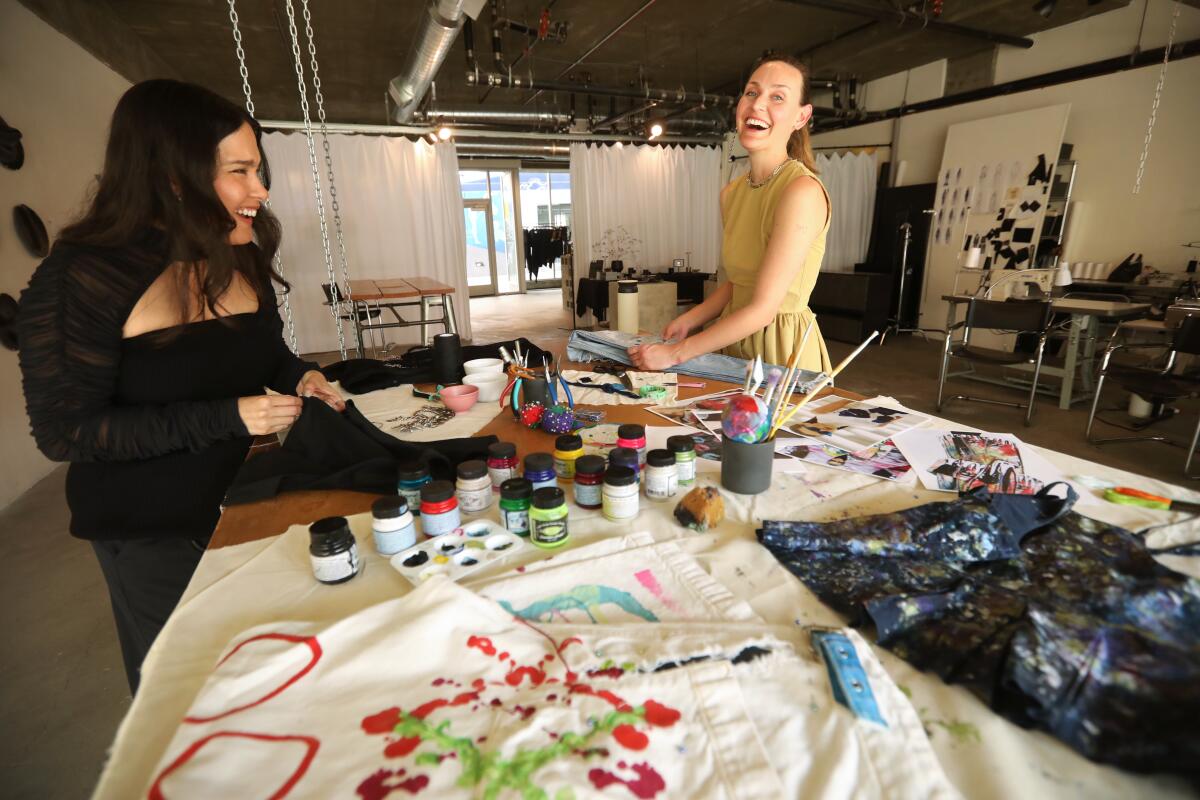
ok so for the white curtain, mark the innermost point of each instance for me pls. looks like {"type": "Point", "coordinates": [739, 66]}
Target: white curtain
{"type": "Point", "coordinates": [666, 198]}
{"type": "Point", "coordinates": [850, 180]}
{"type": "Point", "coordinates": [402, 215]}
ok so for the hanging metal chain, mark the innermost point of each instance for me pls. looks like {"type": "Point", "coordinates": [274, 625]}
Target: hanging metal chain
{"type": "Point", "coordinates": [335, 305]}
{"type": "Point", "coordinates": [1162, 79]}
{"type": "Point", "coordinates": [320, 99]}
{"type": "Point", "coordinates": [277, 260]}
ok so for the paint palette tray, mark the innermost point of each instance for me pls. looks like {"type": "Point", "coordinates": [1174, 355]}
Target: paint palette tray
{"type": "Point", "coordinates": [457, 553]}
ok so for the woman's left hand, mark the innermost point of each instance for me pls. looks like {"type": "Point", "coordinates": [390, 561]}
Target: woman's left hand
{"type": "Point", "coordinates": [313, 384]}
{"type": "Point", "coordinates": [654, 357]}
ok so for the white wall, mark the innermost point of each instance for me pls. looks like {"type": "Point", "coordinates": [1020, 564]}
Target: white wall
{"type": "Point", "coordinates": [60, 98]}
{"type": "Point", "coordinates": [1107, 125]}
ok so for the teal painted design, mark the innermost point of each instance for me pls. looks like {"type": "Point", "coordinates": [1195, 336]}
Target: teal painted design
{"type": "Point", "coordinates": [582, 598]}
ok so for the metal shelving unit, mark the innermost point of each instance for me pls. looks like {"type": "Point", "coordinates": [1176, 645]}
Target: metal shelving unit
{"type": "Point", "coordinates": [1058, 208]}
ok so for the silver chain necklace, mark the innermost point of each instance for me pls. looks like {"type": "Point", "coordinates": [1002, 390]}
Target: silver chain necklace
{"type": "Point", "coordinates": [750, 178]}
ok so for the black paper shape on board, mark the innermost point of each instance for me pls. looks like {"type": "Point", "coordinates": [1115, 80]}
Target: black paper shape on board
{"type": "Point", "coordinates": [1007, 225]}
{"type": "Point", "coordinates": [31, 231]}
{"type": "Point", "coordinates": [998, 243]}
{"type": "Point", "coordinates": [1021, 255]}
{"type": "Point", "coordinates": [967, 242]}
{"type": "Point", "coordinates": [1039, 174]}
{"type": "Point", "coordinates": [1034, 205]}
{"type": "Point", "coordinates": [1023, 235]}
{"type": "Point", "coordinates": [1024, 206]}
{"type": "Point", "coordinates": [1000, 215]}
{"type": "Point", "coordinates": [1006, 252]}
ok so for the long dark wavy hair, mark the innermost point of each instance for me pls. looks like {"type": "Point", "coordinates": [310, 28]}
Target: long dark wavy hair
{"type": "Point", "coordinates": [159, 168]}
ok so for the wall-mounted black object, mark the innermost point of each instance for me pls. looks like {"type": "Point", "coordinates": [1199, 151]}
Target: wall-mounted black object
{"type": "Point", "coordinates": [8, 321]}
{"type": "Point", "coordinates": [31, 231]}
{"type": "Point", "coordinates": [12, 154]}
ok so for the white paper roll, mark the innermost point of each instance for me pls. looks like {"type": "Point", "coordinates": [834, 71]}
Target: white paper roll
{"type": "Point", "coordinates": [974, 256]}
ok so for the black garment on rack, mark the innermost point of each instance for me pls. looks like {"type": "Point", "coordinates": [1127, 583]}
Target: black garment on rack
{"type": "Point", "coordinates": [544, 245]}
{"type": "Point", "coordinates": [362, 375]}
{"type": "Point", "coordinates": [592, 295]}
{"type": "Point", "coordinates": [330, 450]}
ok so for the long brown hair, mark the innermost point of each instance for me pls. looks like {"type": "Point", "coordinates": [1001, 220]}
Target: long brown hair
{"type": "Point", "coordinates": [159, 168]}
{"type": "Point", "coordinates": [799, 144]}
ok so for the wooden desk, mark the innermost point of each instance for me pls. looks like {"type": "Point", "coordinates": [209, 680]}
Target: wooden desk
{"type": "Point", "coordinates": [1086, 316]}
{"type": "Point", "coordinates": [252, 521]}
{"type": "Point", "coordinates": [392, 293]}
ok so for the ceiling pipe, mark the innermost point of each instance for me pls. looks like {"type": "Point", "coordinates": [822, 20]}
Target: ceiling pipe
{"type": "Point", "coordinates": [511, 81]}
{"type": "Point", "coordinates": [480, 133]}
{"type": "Point", "coordinates": [435, 33]}
{"type": "Point", "coordinates": [525, 51]}
{"type": "Point", "coordinates": [594, 48]}
{"type": "Point", "coordinates": [887, 14]}
{"type": "Point", "coordinates": [488, 115]}
{"type": "Point", "coordinates": [611, 121]}
{"type": "Point", "coordinates": [545, 149]}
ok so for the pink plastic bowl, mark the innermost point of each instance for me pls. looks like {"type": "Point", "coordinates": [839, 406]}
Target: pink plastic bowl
{"type": "Point", "coordinates": [459, 398]}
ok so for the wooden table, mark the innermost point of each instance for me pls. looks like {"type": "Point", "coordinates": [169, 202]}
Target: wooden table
{"type": "Point", "coordinates": [252, 521]}
{"type": "Point", "coordinates": [1086, 316]}
{"type": "Point", "coordinates": [392, 293]}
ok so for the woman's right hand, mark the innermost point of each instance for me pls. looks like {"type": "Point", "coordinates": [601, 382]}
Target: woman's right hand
{"type": "Point", "coordinates": [676, 330]}
{"type": "Point", "coordinates": [269, 413]}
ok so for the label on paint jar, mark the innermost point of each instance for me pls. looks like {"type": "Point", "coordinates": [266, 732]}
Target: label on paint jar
{"type": "Point", "coordinates": [548, 533]}
{"type": "Point", "coordinates": [500, 474]}
{"type": "Point", "coordinates": [588, 496]}
{"type": "Point", "coordinates": [516, 521]}
{"type": "Point", "coordinates": [337, 567]}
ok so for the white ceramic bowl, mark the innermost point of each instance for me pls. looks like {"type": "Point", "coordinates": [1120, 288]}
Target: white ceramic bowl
{"type": "Point", "coordinates": [477, 365]}
{"type": "Point", "coordinates": [490, 384]}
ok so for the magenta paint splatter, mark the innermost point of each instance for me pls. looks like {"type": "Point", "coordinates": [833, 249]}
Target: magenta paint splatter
{"type": "Point", "coordinates": [647, 783]}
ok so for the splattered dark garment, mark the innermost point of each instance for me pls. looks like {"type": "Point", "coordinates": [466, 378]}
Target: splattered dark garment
{"type": "Point", "coordinates": [1057, 621]}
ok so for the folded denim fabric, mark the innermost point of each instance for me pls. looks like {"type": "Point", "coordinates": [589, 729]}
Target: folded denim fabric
{"type": "Point", "coordinates": [613, 346]}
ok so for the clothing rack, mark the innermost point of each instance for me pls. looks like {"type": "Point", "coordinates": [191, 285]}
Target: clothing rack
{"type": "Point", "coordinates": [545, 244]}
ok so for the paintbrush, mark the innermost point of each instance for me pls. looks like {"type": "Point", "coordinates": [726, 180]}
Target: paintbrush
{"type": "Point", "coordinates": [791, 372]}
{"type": "Point", "coordinates": [821, 384]}
{"type": "Point", "coordinates": [774, 375]}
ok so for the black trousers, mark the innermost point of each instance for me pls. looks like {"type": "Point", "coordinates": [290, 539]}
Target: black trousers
{"type": "Point", "coordinates": [146, 578]}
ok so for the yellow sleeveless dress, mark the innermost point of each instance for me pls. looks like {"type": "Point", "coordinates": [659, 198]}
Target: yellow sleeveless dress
{"type": "Point", "coordinates": [749, 219]}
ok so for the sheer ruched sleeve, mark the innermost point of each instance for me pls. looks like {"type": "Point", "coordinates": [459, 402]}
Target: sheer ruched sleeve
{"type": "Point", "coordinates": [69, 327]}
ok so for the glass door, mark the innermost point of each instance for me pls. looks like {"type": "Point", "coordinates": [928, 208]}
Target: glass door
{"type": "Point", "coordinates": [481, 247]}
{"type": "Point", "coordinates": [546, 217]}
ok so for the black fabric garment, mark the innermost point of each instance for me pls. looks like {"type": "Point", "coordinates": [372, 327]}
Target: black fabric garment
{"type": "Point", "coordinates": [146, 578]}
{"type": "Point", "coordinates": [691, 285]}
{"type": "Point", "coordinates": [330, 450]}
{"type": "Point", "coordinates": [545, 245]}
{"type": "Point", "coordinates": [592, 295]}
{"type": "Point", "coordinates": [150, 423]}
{"type": "Point", "coordinates": [362, 375]}
{"type": "Point", "coordinates": [1072, 627]}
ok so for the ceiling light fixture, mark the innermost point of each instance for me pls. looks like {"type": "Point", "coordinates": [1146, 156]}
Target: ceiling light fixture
{"type": "Point", "coordinates": [1045, 7]}
{"type": "Point", "coordinates": [655, 129]}
{"type": "Point", "coordinates": [444, 132]}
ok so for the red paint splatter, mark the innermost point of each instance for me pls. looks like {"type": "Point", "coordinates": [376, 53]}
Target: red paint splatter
{"type": "Point", "coordinates": [611, 672]}
{"type": "Point", "coordinates": [602, 752]}
{"type": "Point", "coordinates": [438, 681]}
{"type": "Point", "coordinates": [603, 694]}
{"type": "Point", "coordinates": [483, 644]}
{"type": "Point", "coordinates": [535, 675]}
{"type": "Point", "coordinates": [380, 784]}
{"type": "Point", "coordinates": [383, 722]}
{"type": "Point", "coordinates": [551, 697]}
{"type": "Point", "coordinates": [423, 710]}
{"type": "Point", "coordinates": [311, 745]}
{"type": "Point", "coordinates": [525, 711]}
{"type": "Point", "coordinates": [495, 702]}
{"type": "Point", "coordinates": [630, 737]}
{"type": "Point", "coordinates": [647, 784]}
{"type": "Point", "coordinates": [520, 569]}
{"type": "Point", "coordinates": [659, 715]}
{"type": "Point", "coordinates": [478, 683]}
{"type": "Point", "coordinates": [503, 656]}
{"type": "Point", "coordinates": [401, 747]}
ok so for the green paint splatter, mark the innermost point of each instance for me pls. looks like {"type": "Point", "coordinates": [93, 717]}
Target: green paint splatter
{"type": "Point", "coordinates": [516, 773]}
{"type": "Point", "coordinates": [961, 732]}
{"type": "Point", "coordinates": [907, 692]}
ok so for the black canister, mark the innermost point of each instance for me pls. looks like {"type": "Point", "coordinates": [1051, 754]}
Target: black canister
{"type": "Point", "coordinates": [447, 358]}
{"type": "Point", "coordinates": [332, 550]}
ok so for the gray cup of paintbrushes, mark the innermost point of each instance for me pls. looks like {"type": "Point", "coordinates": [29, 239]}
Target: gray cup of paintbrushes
{"type": "Point", "coordinates": [746, 468]}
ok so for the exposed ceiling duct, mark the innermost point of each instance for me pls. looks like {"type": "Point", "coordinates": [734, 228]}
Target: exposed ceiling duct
{"type": "Point", "coordinates": [903, 15]}
{"type": "Point", "coordinates": [435, 33]}
{"type": "Point", "coordinates": [513, 81]}
{"type": "Point", "coordinates": [488, 115]}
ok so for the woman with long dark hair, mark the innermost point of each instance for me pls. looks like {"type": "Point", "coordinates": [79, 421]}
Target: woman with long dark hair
{"type": "Point", "coordinates": [149, 338]}
{"type": "Point", "coordinates": [775, 222]}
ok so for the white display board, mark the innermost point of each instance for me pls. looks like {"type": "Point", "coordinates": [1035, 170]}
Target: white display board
{"type": "Point", "coordinates": [992, 191]}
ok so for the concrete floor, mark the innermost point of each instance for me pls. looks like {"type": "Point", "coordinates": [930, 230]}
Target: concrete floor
{"type": "Point", "coordinates": [62, 687]}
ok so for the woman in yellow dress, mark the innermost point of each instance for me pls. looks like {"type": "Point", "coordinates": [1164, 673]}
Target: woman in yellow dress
{"type": "Point", "coordinates": [775, 220]}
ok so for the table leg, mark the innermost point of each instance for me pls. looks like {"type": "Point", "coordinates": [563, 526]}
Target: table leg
{"type": "Point", "coordinates": [1089, 355]}
{"type": "Point", "coordinates": [1078, 321]}
{"type": "Point", "coordinates": [425, 321]}
{"type": "Point", "coordinates": [448, 313]}
{"type": "Point", "coordinates": [357, 326]}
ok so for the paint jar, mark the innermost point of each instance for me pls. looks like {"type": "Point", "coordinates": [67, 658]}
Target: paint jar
{"type": "Point", "coordinates": [413, 476]}
{"type": "Point", "coordinates": [439, 508]}
{"type": "Point", "coordinates": [685, 458]}
{"type": "Point", "coordinates": [589, 482]}
{"type": "Point", "coordinates": [633, 436]}
{"type": "Point", "coordinates": [662, 478]}
{"type": "Point", "coordinates": [548, 517]}
{"type": "Point", "coordinates": [502, 463]}
{"type": "Point", "coordinates": [567, 450]}
{"type": "Point", "coordinates": [624, 457]}
{"type": "Point", "coordinates": [620, 497]}
{"type": "Point", "coordinates": [332, 550]}
{"type": "Point", "coordinates": [514, 505]}
{"type": "Point", "coordinates": [539, 470]}
{"type": "Point", "coordinates": [474, 487]}
{"type": "Point", "coordinates": [392, 525]}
